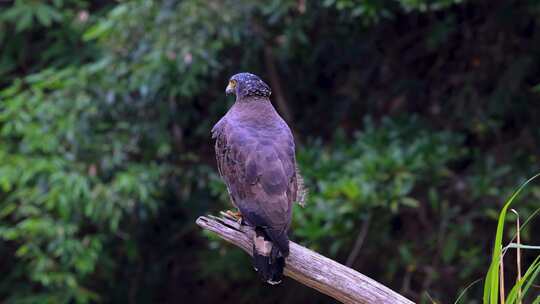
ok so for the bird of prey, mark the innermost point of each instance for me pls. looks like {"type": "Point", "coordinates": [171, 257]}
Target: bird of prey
{"type": "Point", "coordinates": [255, 155]}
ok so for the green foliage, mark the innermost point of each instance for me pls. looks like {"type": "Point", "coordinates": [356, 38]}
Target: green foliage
{"type": "Point", "coordinates": [372, 10]}
{"type": "Point", "coordinates": [23, 14]}
{"type": "Point", "coordinates": [51, 29]}
{"type": "Point", "coordinates": [66, 188]}
{"type": "Point", "coordinates": [375, 173]}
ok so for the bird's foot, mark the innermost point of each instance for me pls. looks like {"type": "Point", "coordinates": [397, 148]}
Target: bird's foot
{"type": "Point", "coordinates": [234, 215]}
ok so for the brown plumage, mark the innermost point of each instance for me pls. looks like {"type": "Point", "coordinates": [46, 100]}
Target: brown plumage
{"type": "Point", "coordinates": [255, 155]}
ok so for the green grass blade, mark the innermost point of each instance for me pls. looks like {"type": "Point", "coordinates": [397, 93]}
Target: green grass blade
{"type": "Point", "coordinates": [466, 289]}
{"type": "Point", "coordinates": [527, 279]}
{"type": "Point", "coordinates": [491, 284]}
{"type": "Point", "coordinates": [533, 277]}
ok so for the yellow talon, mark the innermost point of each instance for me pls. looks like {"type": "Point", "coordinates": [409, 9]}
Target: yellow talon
{"type": "Point", "coordinates": [234, 214]}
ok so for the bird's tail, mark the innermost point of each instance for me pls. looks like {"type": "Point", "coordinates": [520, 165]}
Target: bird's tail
{"type": "Point", "coordinates": [270, 248]}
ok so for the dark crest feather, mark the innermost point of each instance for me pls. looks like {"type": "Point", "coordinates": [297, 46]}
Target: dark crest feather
{"type": "Point", "coordinates": [248, 84]}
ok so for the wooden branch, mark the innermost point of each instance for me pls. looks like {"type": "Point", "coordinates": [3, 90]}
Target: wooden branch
{"type": "Point", "coordinates": [310, 268]}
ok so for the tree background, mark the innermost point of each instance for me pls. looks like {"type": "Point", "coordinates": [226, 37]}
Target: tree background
{"type": "Point", "coordinates": [414, 120]}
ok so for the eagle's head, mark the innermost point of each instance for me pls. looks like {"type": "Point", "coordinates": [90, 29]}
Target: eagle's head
{"type": "Point", "coordinates": [247, 84]}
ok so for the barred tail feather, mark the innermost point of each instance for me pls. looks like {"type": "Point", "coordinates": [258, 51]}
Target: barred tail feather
{"type": "Point", "coordinates": [268, 255]}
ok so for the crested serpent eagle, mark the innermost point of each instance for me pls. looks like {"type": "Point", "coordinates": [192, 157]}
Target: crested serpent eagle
{"type": "Point", "coordinates": [255, 155]}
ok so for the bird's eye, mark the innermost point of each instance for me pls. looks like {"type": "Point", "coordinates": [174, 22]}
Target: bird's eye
{"type": "Point", "coordinates": [232, 83]}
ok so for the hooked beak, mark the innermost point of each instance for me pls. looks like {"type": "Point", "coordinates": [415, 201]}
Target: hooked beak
{"type": "Point", "coordinates": [229, 90]}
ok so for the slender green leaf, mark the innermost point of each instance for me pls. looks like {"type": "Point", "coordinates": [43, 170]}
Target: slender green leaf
{"type": "Point", "coordinates": [491, 285]}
